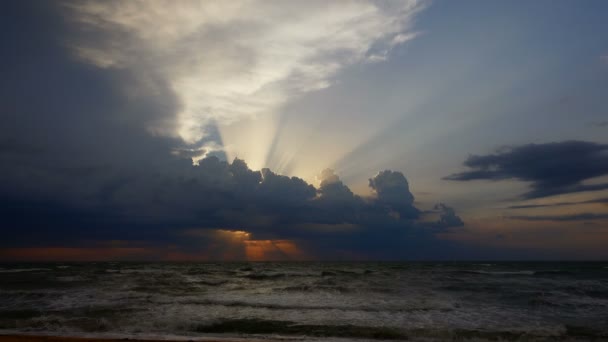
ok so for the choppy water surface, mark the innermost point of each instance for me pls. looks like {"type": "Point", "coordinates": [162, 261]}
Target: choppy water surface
{"type": "Point", "coordinates": [421, 301]}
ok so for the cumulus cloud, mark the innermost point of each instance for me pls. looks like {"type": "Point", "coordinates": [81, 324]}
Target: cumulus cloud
{"type": "Point", "coordinates": [392, 190]}
{"type": "Point", "coordinates": [331, 189]}
{"type": "Point", "coordinates": [229, 60]}
{"type": "Point", "coordinates": [327, 176]}
{"type": "Point", "coordinates": [80, 166]}
{"type": "Point", "coordinates": [278, 188]}
{"type": "Point", "coordinates": [551, 168]}
{"type": "Point", "coordinates": [441, 217]}
{"type": "Point", "coordinates": [447, 216]}
{"type": "Point", "coordinates": [216, 194]}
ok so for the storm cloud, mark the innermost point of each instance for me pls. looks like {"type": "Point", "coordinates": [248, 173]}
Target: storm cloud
{"type": "Point", "coordinates": [550, 168]}
{"type": "Point", "coordinates": [90, 157]}
{"type": "Point", "coordinates": [216, 194]}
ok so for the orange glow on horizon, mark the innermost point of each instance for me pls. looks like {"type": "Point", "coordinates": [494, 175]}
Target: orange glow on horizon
{"type": "Point", "coordinates": [260, 250]}
{"type": "Point", "coordinates": [223, 244]}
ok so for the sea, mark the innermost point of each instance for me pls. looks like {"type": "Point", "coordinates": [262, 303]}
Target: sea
{"type": "Point", "coordinates": [320, 301]}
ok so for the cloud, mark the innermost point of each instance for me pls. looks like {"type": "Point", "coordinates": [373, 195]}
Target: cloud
{"type": "Point", "coordinates": [332, 190]}
{"type": "Point", "coordinates": [217, 196]}
{"type": "Point", "coordinates": [93, 159]}
{"type": "Point", "coordinates": [562, 218]}
{"type": "Point", "coordinates": [190, 153]}
{"type": "Point", "coordinates": [393, 191]}
{"type": "Point", "coordinates": [440, 217]}
{"type": "Point", "coordinates": [559, 204]}
{"type": "Point", "coordinates": [551, 168]}
{"type": "Point", "coordinates": [327, 177]}
{"type": "Point", "coordinates": [600, 123]}
{"type": "Point", "coordinates": [232, 60]}
{"type": "Point", "coordinates": [448, 217]}
{"type": "Point", "coordinates": [13, 147]}
{"type": "Point", "coordinates": [277, 188]}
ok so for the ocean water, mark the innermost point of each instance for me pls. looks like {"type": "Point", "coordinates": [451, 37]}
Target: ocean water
{"type": "Point", "coordinates": [309, 301]}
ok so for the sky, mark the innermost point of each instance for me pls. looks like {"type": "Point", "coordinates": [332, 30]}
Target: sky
{"type": "Point", "coordinates": [290, 130]}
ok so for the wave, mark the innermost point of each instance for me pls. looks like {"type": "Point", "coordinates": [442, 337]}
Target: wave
{"type": "Point", "coordinates": [314, 288]}
{"type": "Point", "coordinates": [272, 306]}
{"type": "Point", "coordinates": [206, 282]}
{"type": "Point", "coordinates": [501, 272]}
{"type": "Point", "coordinates": [279, 275]}
{"type": "Point", "coordinates": [137, 271]}
{"type": "Point", "coordinates": [425, 302]}
{"type": "Point", "coordinates": [273, 276]}
{"type": "Point", "coordinates": [258, 326]}
{"type": "Point", "coordinates": [19, 270]}
{"type": "Point", "coordinates": [70, 279]}
{"type": "Point", "coordinates": [522, 272]}
{"type": "Point", "coordinates": [265, 276]}
{"type": "Point", "coordinates": [266, 327]}
{"type": "Point", "coordinates": [548, 272]}
{"type": "Point", "coordinates": [277, 330]}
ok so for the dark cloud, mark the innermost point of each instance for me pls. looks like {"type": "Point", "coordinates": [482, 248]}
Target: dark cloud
{"type": "Point", "coordinates": [276, 188]}
{"type": "Point", "coordinates": [82, 161]}
{"type": "Point", "coordinates": [441, 217]}
{"type": "Point", "coordinates": [551, 168]}
{"type": "Point", "coordinates": [562, 218]}
{"type": "Point", "coordinates": [218, 194]}
{"type": "Point", "coordinates": [394, 192]}
{"type": "Point", "coordinates": [448, 217]}
{"type": "Point", "coordinates": [191, 153]}
{"type": "Point", "coordinates": [559, 204]}
{"type": "Point", "coordinates": [333, 192]}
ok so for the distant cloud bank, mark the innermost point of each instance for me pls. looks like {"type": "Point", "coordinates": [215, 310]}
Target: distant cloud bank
{"type": "Point", "coordinates": [551, 168]}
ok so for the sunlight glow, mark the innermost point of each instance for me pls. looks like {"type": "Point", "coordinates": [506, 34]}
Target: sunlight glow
{"type": "Point", "coordinates": [236, 64]}
{"type": "Point", "coordinates": [259, 250]}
